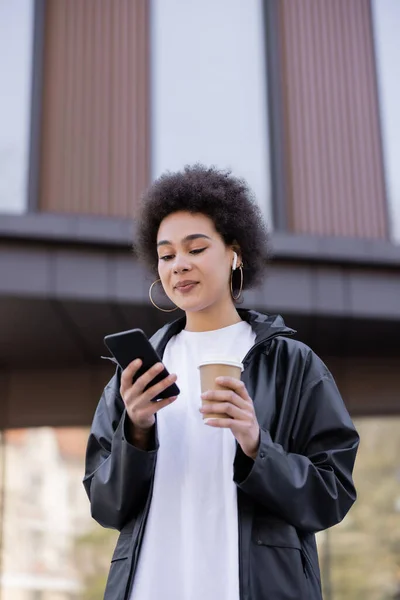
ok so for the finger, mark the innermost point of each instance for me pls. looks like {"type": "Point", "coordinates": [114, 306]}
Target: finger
{"type": "Point", "coordinates": [235, 385]}
{"type": "Point", "coordinates": [146, 411]}
{"type": "Point", "coordinates": [224, 396]}
{"type": "Point", "coordinates": [155, 390]}
{"type": "Point", "coordinates": [163, 403]}
{"type": "Point", "coordinates": [219, 423]}
{"type": "Point", "coordinates": [143, 381]}
{"type": "Point", "coordinates": [128, 374]}
{"type": "Point", "coordinates": [233, 424]}
{"type": "Point", "coordinates": [226, 408]}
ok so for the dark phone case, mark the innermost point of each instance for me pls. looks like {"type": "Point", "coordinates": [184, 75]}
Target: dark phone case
{"type": "Point", "coordinates": [126, 346]}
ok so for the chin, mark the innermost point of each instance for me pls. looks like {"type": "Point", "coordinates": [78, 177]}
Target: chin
{"type": "Point", "coordinates": [194, 306]}
{"type": "Point", "coordinates": [189, 306]}
{"type": "Point", "coordinates": [186, 303]}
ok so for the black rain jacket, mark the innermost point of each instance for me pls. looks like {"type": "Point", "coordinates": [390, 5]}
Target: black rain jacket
{"type": "Point", "coordinates": [300, 482]}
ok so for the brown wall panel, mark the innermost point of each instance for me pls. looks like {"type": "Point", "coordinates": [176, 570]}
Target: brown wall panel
{"type": "Point", "coordinates": [369, 386]}
{"type": "Point", "coordinates": [53, 397]}
{"type": "Point", "coordinates": [333, 154]}
{"type": "Point", "coordinates": [95, 130]}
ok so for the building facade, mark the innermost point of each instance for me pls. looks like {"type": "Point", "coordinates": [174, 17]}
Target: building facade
{"type": "Point", "coordinates": [97, 99]}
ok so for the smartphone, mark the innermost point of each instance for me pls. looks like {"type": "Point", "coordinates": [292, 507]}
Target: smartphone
{"type": "Point", "coordinates": [126, 346]}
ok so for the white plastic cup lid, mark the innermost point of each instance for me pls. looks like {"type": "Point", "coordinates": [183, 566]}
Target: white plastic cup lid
{"type": "Point", "coordinates": [230, 362]}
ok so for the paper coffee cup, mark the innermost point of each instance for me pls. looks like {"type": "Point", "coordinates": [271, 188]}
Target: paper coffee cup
{"type": "Point", "coordinates": [215, 367]}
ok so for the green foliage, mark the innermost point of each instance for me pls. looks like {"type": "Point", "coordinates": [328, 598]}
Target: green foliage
{"type": "Point", "coordinates": [365, 548]}
{"type": "Point", "coordinates": [93, 554]}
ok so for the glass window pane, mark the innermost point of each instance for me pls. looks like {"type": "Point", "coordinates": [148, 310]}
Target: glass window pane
{"type": "Point", "coordinates": [16, 39]}
{"type": "Point", "coordinates": [387, 45]}
{"type": "Point", "coordinates": [210, 101]}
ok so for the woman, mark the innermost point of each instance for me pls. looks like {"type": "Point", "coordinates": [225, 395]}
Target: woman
{"type": "Point", "coordinates": [226, 508]}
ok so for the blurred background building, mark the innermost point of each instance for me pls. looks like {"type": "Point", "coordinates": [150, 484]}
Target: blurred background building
{"type": "Point", "coordinates": [97, 98]}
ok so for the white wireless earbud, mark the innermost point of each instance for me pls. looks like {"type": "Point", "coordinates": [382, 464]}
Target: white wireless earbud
{"type": "Point", "coordinates": [234, 261]}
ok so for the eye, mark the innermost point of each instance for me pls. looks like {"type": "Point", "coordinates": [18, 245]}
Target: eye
{"type": "Point", "coordinates": [166, 257]}
{"type": "Point", "coordinates": [197, 251]}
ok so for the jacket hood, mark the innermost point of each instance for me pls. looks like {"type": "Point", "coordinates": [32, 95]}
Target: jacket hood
{"type": "Point", "coordinates": [264, 326]}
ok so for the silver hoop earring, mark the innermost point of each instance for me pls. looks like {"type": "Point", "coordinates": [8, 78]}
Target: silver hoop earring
{"type": "Point", "coordinates": [167, 310]}
{"type": "Point", "coordinates": [241, 284]}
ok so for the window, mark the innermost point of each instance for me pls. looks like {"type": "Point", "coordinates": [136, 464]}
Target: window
{"type": "Point", "coordinates": [386, 16]}
{"type": "Point", "coordinates": [16, 42]}
{"type": "Point", "coordinates": [210, 90]}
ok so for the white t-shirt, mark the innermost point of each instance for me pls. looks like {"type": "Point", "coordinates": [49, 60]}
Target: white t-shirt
{"type": "Point", "coordinates": [190, 545]}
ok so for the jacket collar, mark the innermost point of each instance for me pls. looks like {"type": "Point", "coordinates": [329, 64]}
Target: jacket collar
{"type": "Point", "coordinates": [264, 326]}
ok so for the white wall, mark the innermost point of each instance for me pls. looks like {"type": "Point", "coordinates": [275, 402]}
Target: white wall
{"type": "Point", "coordinates": [209, 97]}
{"type": "Point", "coordinates": [16, 38]}
{"type": "Point", "coordinates": [387, 43]}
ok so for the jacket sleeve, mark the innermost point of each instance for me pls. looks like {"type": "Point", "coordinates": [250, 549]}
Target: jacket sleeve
{"type": "Point", "coordinates": [312, 487]}
{"type": "Point", "coordinates": [117, 474]}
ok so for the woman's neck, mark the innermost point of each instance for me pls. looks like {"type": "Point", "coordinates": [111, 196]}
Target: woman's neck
{"type": "Point", "coordinates": [211, 319]}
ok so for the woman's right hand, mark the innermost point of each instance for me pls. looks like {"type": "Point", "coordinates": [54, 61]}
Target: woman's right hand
{"type": "Point", "coordinates": [138, 402]}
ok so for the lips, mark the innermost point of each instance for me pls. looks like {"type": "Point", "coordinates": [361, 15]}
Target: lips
{"type": "Point", "coordinates": [182, 285]}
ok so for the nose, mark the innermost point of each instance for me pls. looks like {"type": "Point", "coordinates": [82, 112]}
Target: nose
{"type": "Point", "coordinates": [180, 264]}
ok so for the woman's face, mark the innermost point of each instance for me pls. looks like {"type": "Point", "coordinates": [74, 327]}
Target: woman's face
{"type": "Point", "coordinates": [194, 263]}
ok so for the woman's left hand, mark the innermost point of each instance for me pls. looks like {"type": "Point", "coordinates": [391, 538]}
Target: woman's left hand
{"type": "Point", "coordinates": [235, 402]}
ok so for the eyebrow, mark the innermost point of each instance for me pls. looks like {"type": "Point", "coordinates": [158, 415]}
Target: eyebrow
{"type": "Point", "coordinates": [188, 238]}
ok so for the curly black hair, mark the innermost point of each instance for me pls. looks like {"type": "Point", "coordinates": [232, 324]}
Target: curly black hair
{"type": "Point", "coordinates": [226, 199]}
